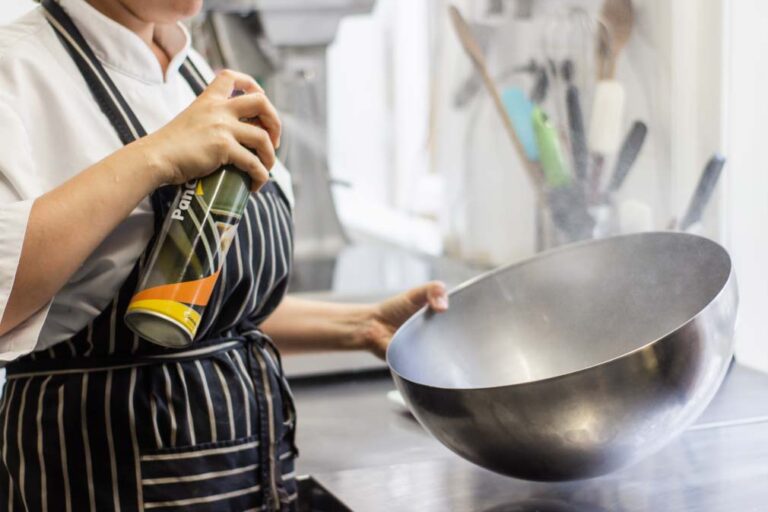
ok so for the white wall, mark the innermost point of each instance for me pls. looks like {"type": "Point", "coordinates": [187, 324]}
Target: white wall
{"type": "Point", "coordinates": [747, 194]}
{"type": "Point", "coordinates": [378, 120]}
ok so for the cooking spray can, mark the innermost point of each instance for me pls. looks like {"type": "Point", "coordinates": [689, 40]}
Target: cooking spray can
{"type": "Point", "coordinates": [185, 263]}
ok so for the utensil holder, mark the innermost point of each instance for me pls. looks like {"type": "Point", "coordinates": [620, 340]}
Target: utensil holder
{"type": "Point", "coordinates": [551, 234]}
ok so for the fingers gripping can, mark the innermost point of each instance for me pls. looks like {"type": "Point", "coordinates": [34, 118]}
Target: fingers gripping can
{"type": "Point", "coordinates": [176, 284]}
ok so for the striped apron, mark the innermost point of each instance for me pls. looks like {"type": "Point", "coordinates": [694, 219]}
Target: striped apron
{"type": "Point", "coordinates": [108, 421]}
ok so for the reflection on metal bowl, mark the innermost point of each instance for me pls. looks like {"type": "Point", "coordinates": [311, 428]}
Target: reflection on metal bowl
{"type": "Point", "coordinates": [542, 505]}
{"type": "Point", "coordinates": [576, 362]}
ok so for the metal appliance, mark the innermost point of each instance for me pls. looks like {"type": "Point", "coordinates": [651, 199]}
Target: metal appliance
{"type": "Point", "coordinates": [283, 43]}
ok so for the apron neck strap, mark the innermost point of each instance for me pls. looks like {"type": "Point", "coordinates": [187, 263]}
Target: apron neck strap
{"type": "Point", "coordinates": [105, 92]}
{"type": "Point", "coordinates": [193, 76]}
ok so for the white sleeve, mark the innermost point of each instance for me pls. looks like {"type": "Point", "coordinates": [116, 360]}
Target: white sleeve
{"type": "Point", "coordinates": [283, 179]}
{"type": "Point", "coordinates": [16, 198]}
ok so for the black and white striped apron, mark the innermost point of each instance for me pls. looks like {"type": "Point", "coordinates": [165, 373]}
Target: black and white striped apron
{"type": "Point", "coordinates": [108, 421]}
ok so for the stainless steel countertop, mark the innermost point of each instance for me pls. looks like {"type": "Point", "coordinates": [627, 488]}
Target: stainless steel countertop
{"type": "Point", "coordinates": [373, 456]}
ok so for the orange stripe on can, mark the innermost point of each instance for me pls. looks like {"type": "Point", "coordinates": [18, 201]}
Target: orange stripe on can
{"type": "Point", "coordinates": [196, 292]}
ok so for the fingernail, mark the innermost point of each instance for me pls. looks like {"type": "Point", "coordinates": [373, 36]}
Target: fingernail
{"type": "Point", "coordinates": [442, 301]}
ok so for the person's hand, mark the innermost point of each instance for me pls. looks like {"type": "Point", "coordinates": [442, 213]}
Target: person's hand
{"type": "Point", "coordinates": [389, 315]}
{"type": "Point", "coordinates": [218, 129]}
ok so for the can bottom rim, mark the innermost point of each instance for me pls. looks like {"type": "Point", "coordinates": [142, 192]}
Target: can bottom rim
{"type": "Point", "coordinates": [159, 329]}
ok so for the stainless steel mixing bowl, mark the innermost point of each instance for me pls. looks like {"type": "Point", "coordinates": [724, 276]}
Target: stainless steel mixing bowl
{"type": "Point", "coordinates": [577, 362]}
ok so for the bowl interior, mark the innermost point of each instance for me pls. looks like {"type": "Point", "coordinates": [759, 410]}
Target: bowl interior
{"type": "Point", "coordinates": [561, 312]}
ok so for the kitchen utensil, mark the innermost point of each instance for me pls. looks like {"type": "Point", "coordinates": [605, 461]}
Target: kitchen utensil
{"type": "Point", "coordinates": [566, 202]}
{"type": "Point", "coordinates": [475, 53]}
{"type": "Point", "coordinates": [631, 147]}
{"type": "Point", "coordinates": [576, 362]}
{"type": "Point", "coordinates": [540, 85]}
{"type": "Point", "coordinates": [567, 70]}
{"type": "Point", "coordinates": [607, 112]}
{"type": "Point", "coordinates": [584, 29]}
{"type": "Point", "coordinates": [567, 39]}
{"type": "Point", "coordinates": [473, 83]}
{"type": "Point", "coordinates": [470, 86]}
{"type": "Point", "coordinates": [520, 110]}
{"type": "Point", "coordinates": [578, 137]}
{"type": "Point", "coordinates": [704, 190]}
{"type": "Point", "coordinates": [550, 154]}
{"type": "Point", "coordinates": [617, 18]}
{"type": "Point", "coordinates": [570, 213]}
{"type": "Point", "coordinates": [604, 128]}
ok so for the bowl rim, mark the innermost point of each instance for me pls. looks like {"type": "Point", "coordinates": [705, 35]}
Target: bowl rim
{"type": "Point", "coordinates": [551, 252]}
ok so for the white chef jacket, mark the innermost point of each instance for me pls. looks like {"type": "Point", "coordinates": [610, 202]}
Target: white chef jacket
{"type": "Point", "coordinates": [51, 129]}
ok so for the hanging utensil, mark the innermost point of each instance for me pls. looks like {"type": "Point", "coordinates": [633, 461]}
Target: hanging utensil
{"type": "Point", "coordinates": [583, 30]}
{"type": "Point", "coordinates": [550, 154]}
{"type": "Point", "coordinates": [604, 129]}
{"type": "Point", "coordinates": [578, 137]}
{"type": "Point", "coordinates": [520, 110]}
{"type": "Point", "coordinates": [540, 85]}
{"type": "Point", "coordinates": [566, 44]}
{"type": "Point", "coordinates": [706, 186]}
{"type": "Point", "coordinates": [475, 53]}
{"type": "Point", "coordinates": [631, 147]}
{"type": "Point", "coordinates": [617, 18]}
{"type": "Point", "coordinates": [566, 202]}
{"type": "Point", "coordinates": [473, 83]}
{"type": "Point", "coordinates": [570, 213]}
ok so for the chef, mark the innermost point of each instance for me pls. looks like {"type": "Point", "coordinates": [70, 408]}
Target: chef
{"type": "Point", "coordinates": [103, 105]}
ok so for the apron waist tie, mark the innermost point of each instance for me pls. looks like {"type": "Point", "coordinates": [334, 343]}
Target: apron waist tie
{"type": "Point", "coordinates": [81, 364]}
{"type": "Point", "coordinates": [271, 355]}
{"type": "Point", "coordinates": [252, 337]}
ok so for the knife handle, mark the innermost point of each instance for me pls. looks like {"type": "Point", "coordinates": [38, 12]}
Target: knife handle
{"type": "Point", "coordinates": [578, 136]}
{"type": "Point", "coordinates": [703, 192]}
{"type": "Point", "coordinates": [631, 147]}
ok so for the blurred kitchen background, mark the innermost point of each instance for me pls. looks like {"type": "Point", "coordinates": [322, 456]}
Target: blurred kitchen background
{"type": "Point", "coordinates": [405, 170]}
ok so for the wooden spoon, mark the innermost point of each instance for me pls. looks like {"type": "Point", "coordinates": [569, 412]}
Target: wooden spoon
{"type": "Point", "coordinates": [472, 48]}
{"type": "Point", "coordinates": [616, 19]}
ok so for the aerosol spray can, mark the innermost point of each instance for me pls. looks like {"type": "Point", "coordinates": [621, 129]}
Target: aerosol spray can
{"type": "Point", "coordinates": [185, 263]}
